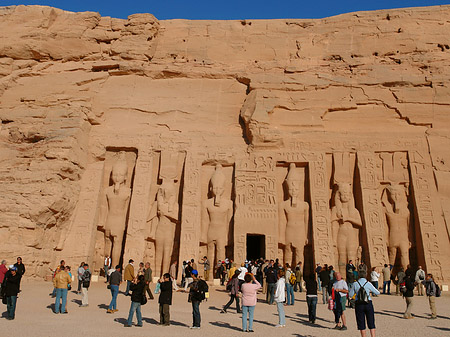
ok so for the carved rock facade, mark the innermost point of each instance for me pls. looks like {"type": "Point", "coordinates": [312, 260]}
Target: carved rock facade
{"type": "Point", "coordinates": [359, 100]}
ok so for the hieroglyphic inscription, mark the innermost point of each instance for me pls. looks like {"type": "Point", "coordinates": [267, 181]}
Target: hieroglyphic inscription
{"type": "Point", "coordinates": [372, 209]}
{"type": "Point", "coordinates": [321, 228]}
{"type": "Point", "coordinates": [422, 182]}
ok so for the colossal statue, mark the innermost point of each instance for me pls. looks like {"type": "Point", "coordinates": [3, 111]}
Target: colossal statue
{"type": "Point", "coordinates": [216, 216]}
{"type": "Point", "coordinates": [346, 221]}
{"type": "Point", "coordinates": [165, 210]}
{"type": "Point", "coordinates": [294, 218]}
{"type": "Point", "coordinates": [398, 219]}
{"type": "Point", "coordinates": [117, 201]}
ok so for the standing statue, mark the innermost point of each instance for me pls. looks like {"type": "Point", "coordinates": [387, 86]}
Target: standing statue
{"type": "Point", "coordinates": [345, 221]}
{"type": "Point", "coordinates": [165, 209]}
{"type": "Point", "coordinates": [216, 216]}
{"type": "Point", "coordinates": [117, 201]}
{"type": "Point", "coordinates": [294, 219]}
{"type": "Point", "coordinates": [398, 219]}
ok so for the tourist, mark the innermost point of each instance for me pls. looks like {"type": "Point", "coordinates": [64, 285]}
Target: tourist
{"type": "Point", "coordinates": [188, 275]}
{"type": "Point", "coordinates": [20, 269]}
{"type": "Point", "coordinates": [271, 278]}
{"type": "Point", "coordinates": [115, 279]}
{"type": "Point", "coordinates": [340, 292]}
{"type": "Point", "coordinates": [222, 273]}
{"type": "Point", "coordinates": [10, 287]}
{"type": "Point", "coordinates": [61, 283]}
{"type": "Point", "coordinates": [280, 296]}
{"type": "Point", "coordinates": [62, 263]}
{"type": "Point", "coordinates": [197, 290]}
{"type": "Point", "coordinates": [374, 276]}
{"type": "Point", "coordinates": [86, 282]}
{"type": "Point", "coordinates": [206, 267]}
{"type": "Point", "coordinates": [349, 272]}
{"type": "Point", "coordinates": [233, 283]}
{"type": "Point", "coordinates": [80, 273]}
{"type": "Point", "coordinates": [290, 281]}
{"type": "Point", "coordinates": [242, 272]}
{"type": "Point", "coordinates": [140, 269]}
{"type": "Point", "coordinates": [298, 277]}
{"type": "Point", "coordinates": [420, 277]}
{"type": "Point", "coordinates": [263, 270]}
{"type": "Point", "coordinates": [364, 310]}
{"type": "Point", "coordinates": [3, 271]}
{"type": "Point", "coordinates": [128, 275]}
{"type": "Point", "coordinates": [106, 266]}
{"type": "Point", "coordinates": [137, 286]}
{"type": "Point", "coordinates": [173, 275]}
{"type": "Point", "coordinates": [430, 287]}
{"type": "Point", "coordinates": [148, 274]}
{"type": "Point", "coordinates": [386, 279]}
{"type": "Point", "coordinates": [311, 297]}
{"type": "Point", "coordinates": [409, 294]}
{"type": "Point", "coordinates": [165, 299]}
{"type": "Point", "coordinates": [325, 279]}
{"type": "Point", "coordinates": [183, 274]}
{"type": "Point", "coordinates": [249, 290]}
{"type": "Point", "coordinates": [193, 264]}
{"type": "Point", "coordinates": [317, 271]}
{"type": "Point", "coordinates": [399, 280]}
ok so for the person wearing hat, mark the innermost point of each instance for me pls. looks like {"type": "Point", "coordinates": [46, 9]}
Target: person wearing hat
{"type": "Point", "coordinates": [197, 293]}
{"type": "Point", "coordinates": [11, 289]}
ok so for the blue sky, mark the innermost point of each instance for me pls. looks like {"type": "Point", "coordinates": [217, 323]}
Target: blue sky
{"type": "Point", "coordinates": [226, 9]}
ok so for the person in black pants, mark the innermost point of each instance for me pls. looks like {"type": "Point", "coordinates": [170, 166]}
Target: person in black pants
{"type": "Point", "coordinates": [165, 299]}
{"type": "Point", "coordinates": [311, 297]}
{"type": "Point", "coordinates": [271, 278]}
{"type": "Point", "coordinates": [234, 293]}
{"type": "Point", "coordinates": [20, 269]}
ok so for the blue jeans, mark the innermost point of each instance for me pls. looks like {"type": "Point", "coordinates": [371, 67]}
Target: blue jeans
{"type": "Point", "coordinates": [250, 310]}
{"type": "Point", "coordinates": [387, 284]}
{"type": "Point", "coordinates": [60, 293]}
{"type": "Point", "coordinates": [319, 283]}
{"type": "Point", "coordinates": [290, 294]}
{"type": "Point", "coordinates": [11, 306]}
{"type": "Point", "coordinates": [312, 305]}
{"type": "Point", "coordinates": [114, 293]}
{"type": "Point", "coordinates": [127, 291]}
{"type": "Point", "coordinates": [196, 318]}
{"type": "Point", "coordinates": [271, 292]}
{"type": "Point", "coordinates": [135, 306]}
{"type": "Point", "coordinates": [281, 316]}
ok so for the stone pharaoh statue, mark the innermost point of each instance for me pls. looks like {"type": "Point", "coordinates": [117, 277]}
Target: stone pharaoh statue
{"type": "Point", "coordinates": [398, 218]}
{"type": "Point", "coordinates": [117, 201]}
{"type": "Point", "coordinates": [163, 230]}
{"type": "Point", "coordinates": [346, 221]}
{"type": "Point", "coordinates": [294, 218]}
{"type": "Point", "coordinates": [216, 215]}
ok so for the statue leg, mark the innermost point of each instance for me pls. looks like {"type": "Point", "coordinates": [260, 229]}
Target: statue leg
{"type": "Point", "coordinates": [167, 255]}
{"type": "Point", "coordinates": [298, 255]}
{"type": "Point", "coordinates": [210, 254]}
{"type": "Point", "coordinates": [404, 254]}
{"type": "Point", "coordinates": [392, 255]}
{"type": "Point", "coordinates": [342, 253]}
{"type": "Point", "coordinates": [158, 257]}
{"type": "Point", "coordinates": [116, 250]}
{"type": "Point", "coordinates": [288, 253]}
{"type": "Point", "coordinates": [108, 245]}
{"type": "Point", "coordinates": [220, 246]}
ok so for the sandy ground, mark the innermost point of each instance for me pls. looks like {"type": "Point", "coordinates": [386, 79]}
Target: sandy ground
{"type": "Point", "coordinates": [34, 316]}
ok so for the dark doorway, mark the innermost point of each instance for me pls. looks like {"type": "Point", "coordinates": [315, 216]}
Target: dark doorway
{"type": "Point", "coordinates": [256, 246]}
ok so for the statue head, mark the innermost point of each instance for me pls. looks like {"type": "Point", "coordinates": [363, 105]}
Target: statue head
{"type": "Point", "coordinates": [396, 193]}
{"type": "Point", "coordinates": [167, 189]}
{"type": "Point", "coordinates": [119, 171]}
{"type": "Point", "coordinates": [218, 181]}
{"type": "Point", "coordinates": [345, 192]}
{"type": "Point", "coordinates": [293, 181]}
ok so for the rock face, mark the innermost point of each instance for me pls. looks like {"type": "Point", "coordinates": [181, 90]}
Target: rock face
{"type": "Point", "coordinates": [336, 129]}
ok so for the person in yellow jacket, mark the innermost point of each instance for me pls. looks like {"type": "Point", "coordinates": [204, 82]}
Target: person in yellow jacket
{"type": "Point", "coordinates": [61, 283]}
{"type": "Point", "coordinates": [128, 276]}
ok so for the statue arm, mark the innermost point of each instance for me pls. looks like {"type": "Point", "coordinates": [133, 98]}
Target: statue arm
{"type": "Point", "coordinates": [173, 214]}
{"type": "Point", "coordinates": [151, 220]}
{"type": "Point", "coordinates": [103, 212]}
{"type": "Point", "coordinates": [282, 222]}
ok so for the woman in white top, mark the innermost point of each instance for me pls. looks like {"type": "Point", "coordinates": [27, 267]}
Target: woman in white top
{"type": "Point", "coordinates": [280, 298]}
{"type": "Point", "coordinates": [374, 276]}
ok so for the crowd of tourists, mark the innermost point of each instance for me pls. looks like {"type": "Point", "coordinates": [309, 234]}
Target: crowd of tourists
{"type": "Point", "coordinates": [277, 281]}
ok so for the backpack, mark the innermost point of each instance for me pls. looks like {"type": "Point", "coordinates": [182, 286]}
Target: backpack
{"type": "Point", "coordinates": [403, 287]}
{"type": "Point", "coordinates": [202, 289]}
{"type": "Point", "coordinates": [361, 295]}
{"type": "Point", "coordinates": [292, 279]}
{"type": "Point", "coordinates": [438, 290]}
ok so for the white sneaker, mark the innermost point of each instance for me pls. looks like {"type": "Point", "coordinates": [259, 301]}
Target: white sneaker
{"type": "Point", "coordinates": [280, 326]}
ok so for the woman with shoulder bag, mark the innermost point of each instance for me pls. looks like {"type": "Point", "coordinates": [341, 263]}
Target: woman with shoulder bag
{"type": "Point", "coordinates": [234, 293]}
{"type": "Point", "coordinates": [137, 287]}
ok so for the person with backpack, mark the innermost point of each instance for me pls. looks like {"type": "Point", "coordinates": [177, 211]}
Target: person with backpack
{"type": "Point", "coordinates": [364, 310]}
{"type": "Point", "coordinates": [197, 293]}
{"type": "Point", "coordinates": [432, 291]}
{"type": "Point", "coordinates": [408, 293]}
{"type": "Point", "coordinates": [399, 280]}
{"type": "Point", "coordinates": [86, 282]}
{"type": "Point", "coordinates": [137, 288]}
{"type": "Point", "coordinates": [233, 288]}
{"type": "Point", "coordinates": [290, 282]}
{"type": "Point", "coordinates": [280, 297]}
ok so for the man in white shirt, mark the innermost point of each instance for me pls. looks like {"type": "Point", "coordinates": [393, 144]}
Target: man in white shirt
{"type": "Point", "coordinates": [107, 265]}
{"type": "Point", "coordinates": [341, 287]}
{"type": "Point", "coordinates": [420, 276]}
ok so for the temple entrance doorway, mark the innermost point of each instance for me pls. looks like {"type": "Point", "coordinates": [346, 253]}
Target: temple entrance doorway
{"type": "Point", "coordinates": [256, 246]}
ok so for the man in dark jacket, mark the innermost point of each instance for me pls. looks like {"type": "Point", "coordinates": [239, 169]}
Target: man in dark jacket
{"type": "Point", "coordinates": [271, 278]}
{"type": "Point", "coordinates": [410, 285]}
{"type": "Point", "coordinates": [197, 291]}
{"type": "Point", "coordinates": [325, 279]}
{"type": "Point", "coordinates": [148, 279]}
{"type": "Point", "coordinates": [11, 289]}
{"type": "Point", "coordinates": [137, 287]}
{"type": "Point", "coordinates": [165, 299]}
{"type": "Point", "coordinates": [20, 269]}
